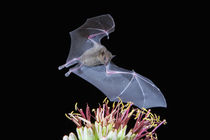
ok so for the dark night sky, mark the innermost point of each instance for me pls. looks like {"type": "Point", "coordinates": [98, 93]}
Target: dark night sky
{"type": "Point", "coordinates": [147, 41]}
{"type": "Point", "coordinates": [152, 39]}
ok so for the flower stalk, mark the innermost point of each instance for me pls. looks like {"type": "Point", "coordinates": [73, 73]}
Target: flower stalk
{"type": "Point", "coordinates": [111, 123]}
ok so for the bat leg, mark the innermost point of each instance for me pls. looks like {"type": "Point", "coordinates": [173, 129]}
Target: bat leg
{"type": "Point", "coordinates": [68, 64]}
{"type": "Point", "coordinates": [78, 66]}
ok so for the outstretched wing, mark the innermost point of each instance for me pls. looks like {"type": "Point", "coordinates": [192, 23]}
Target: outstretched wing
{"type": "Point", "coordinates": [127, 85]}
{"type": "Point", "coordinates": [95, 29]}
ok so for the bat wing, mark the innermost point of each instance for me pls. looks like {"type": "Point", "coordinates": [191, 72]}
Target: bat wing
{"type": "Point", "coordinates": [128, 85]}
{"type": "Point", "coordinates": [95, 29]}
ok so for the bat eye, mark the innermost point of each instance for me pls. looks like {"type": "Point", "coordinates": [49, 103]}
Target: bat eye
{"type": "Point", "coordinates": [103, 53]}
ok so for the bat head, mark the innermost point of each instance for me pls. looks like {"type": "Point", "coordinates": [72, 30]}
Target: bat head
{"type": "Point", "coordinates": [104, 56]}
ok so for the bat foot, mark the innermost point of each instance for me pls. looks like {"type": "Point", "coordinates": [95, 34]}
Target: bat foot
{"type": "Point", "coordinates": [73, 69]}
{"type": "Point", "coordinates": [68, 73]}
{"type": "Point", "coordinates": [61, 67]}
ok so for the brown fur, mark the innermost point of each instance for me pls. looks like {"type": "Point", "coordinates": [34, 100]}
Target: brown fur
{"type": "Point", "coordinates": [98, 55]}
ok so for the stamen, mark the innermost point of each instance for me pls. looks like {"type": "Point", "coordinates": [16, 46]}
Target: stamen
{"type": "Point", "coordinates": [105, 100]}
{"type": "Point", "coordinates": [117, 119]}
{"type": "Point", "coordinates": [113, 105]}
{"type": "Point", "coordinates": [76, 106]}
{"type": "Point", "coordinates": [158, 126]}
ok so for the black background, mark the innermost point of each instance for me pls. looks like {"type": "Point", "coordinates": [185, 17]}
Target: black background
{"type": "Point", "coordinates": [157, 40]}
{"type": "Point", "coordinates": [147, 40]}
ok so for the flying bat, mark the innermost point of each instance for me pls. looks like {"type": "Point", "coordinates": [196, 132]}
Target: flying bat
{"type": "Point", "coordinates": [91, 60]}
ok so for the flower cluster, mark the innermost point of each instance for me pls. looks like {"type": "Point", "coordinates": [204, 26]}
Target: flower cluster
{"type": "Point", "coordinates": [111, 123]}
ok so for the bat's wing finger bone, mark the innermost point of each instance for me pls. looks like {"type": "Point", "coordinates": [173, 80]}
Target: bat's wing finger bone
{"type": "Point", "coordinates": [100, 33]}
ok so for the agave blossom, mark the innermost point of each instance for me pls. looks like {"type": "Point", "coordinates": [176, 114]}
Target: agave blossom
{"type": "Point", "coordinates": [110, 123]}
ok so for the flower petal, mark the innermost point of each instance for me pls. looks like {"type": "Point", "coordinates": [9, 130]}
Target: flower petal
{"type": "Point", "coordinates": [72, 136]}
{"type": "Point", "coordinates": [65, 137]}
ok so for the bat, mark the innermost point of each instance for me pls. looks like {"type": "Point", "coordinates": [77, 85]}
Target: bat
{"type": "Point", "coordinates": [90, 60]}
